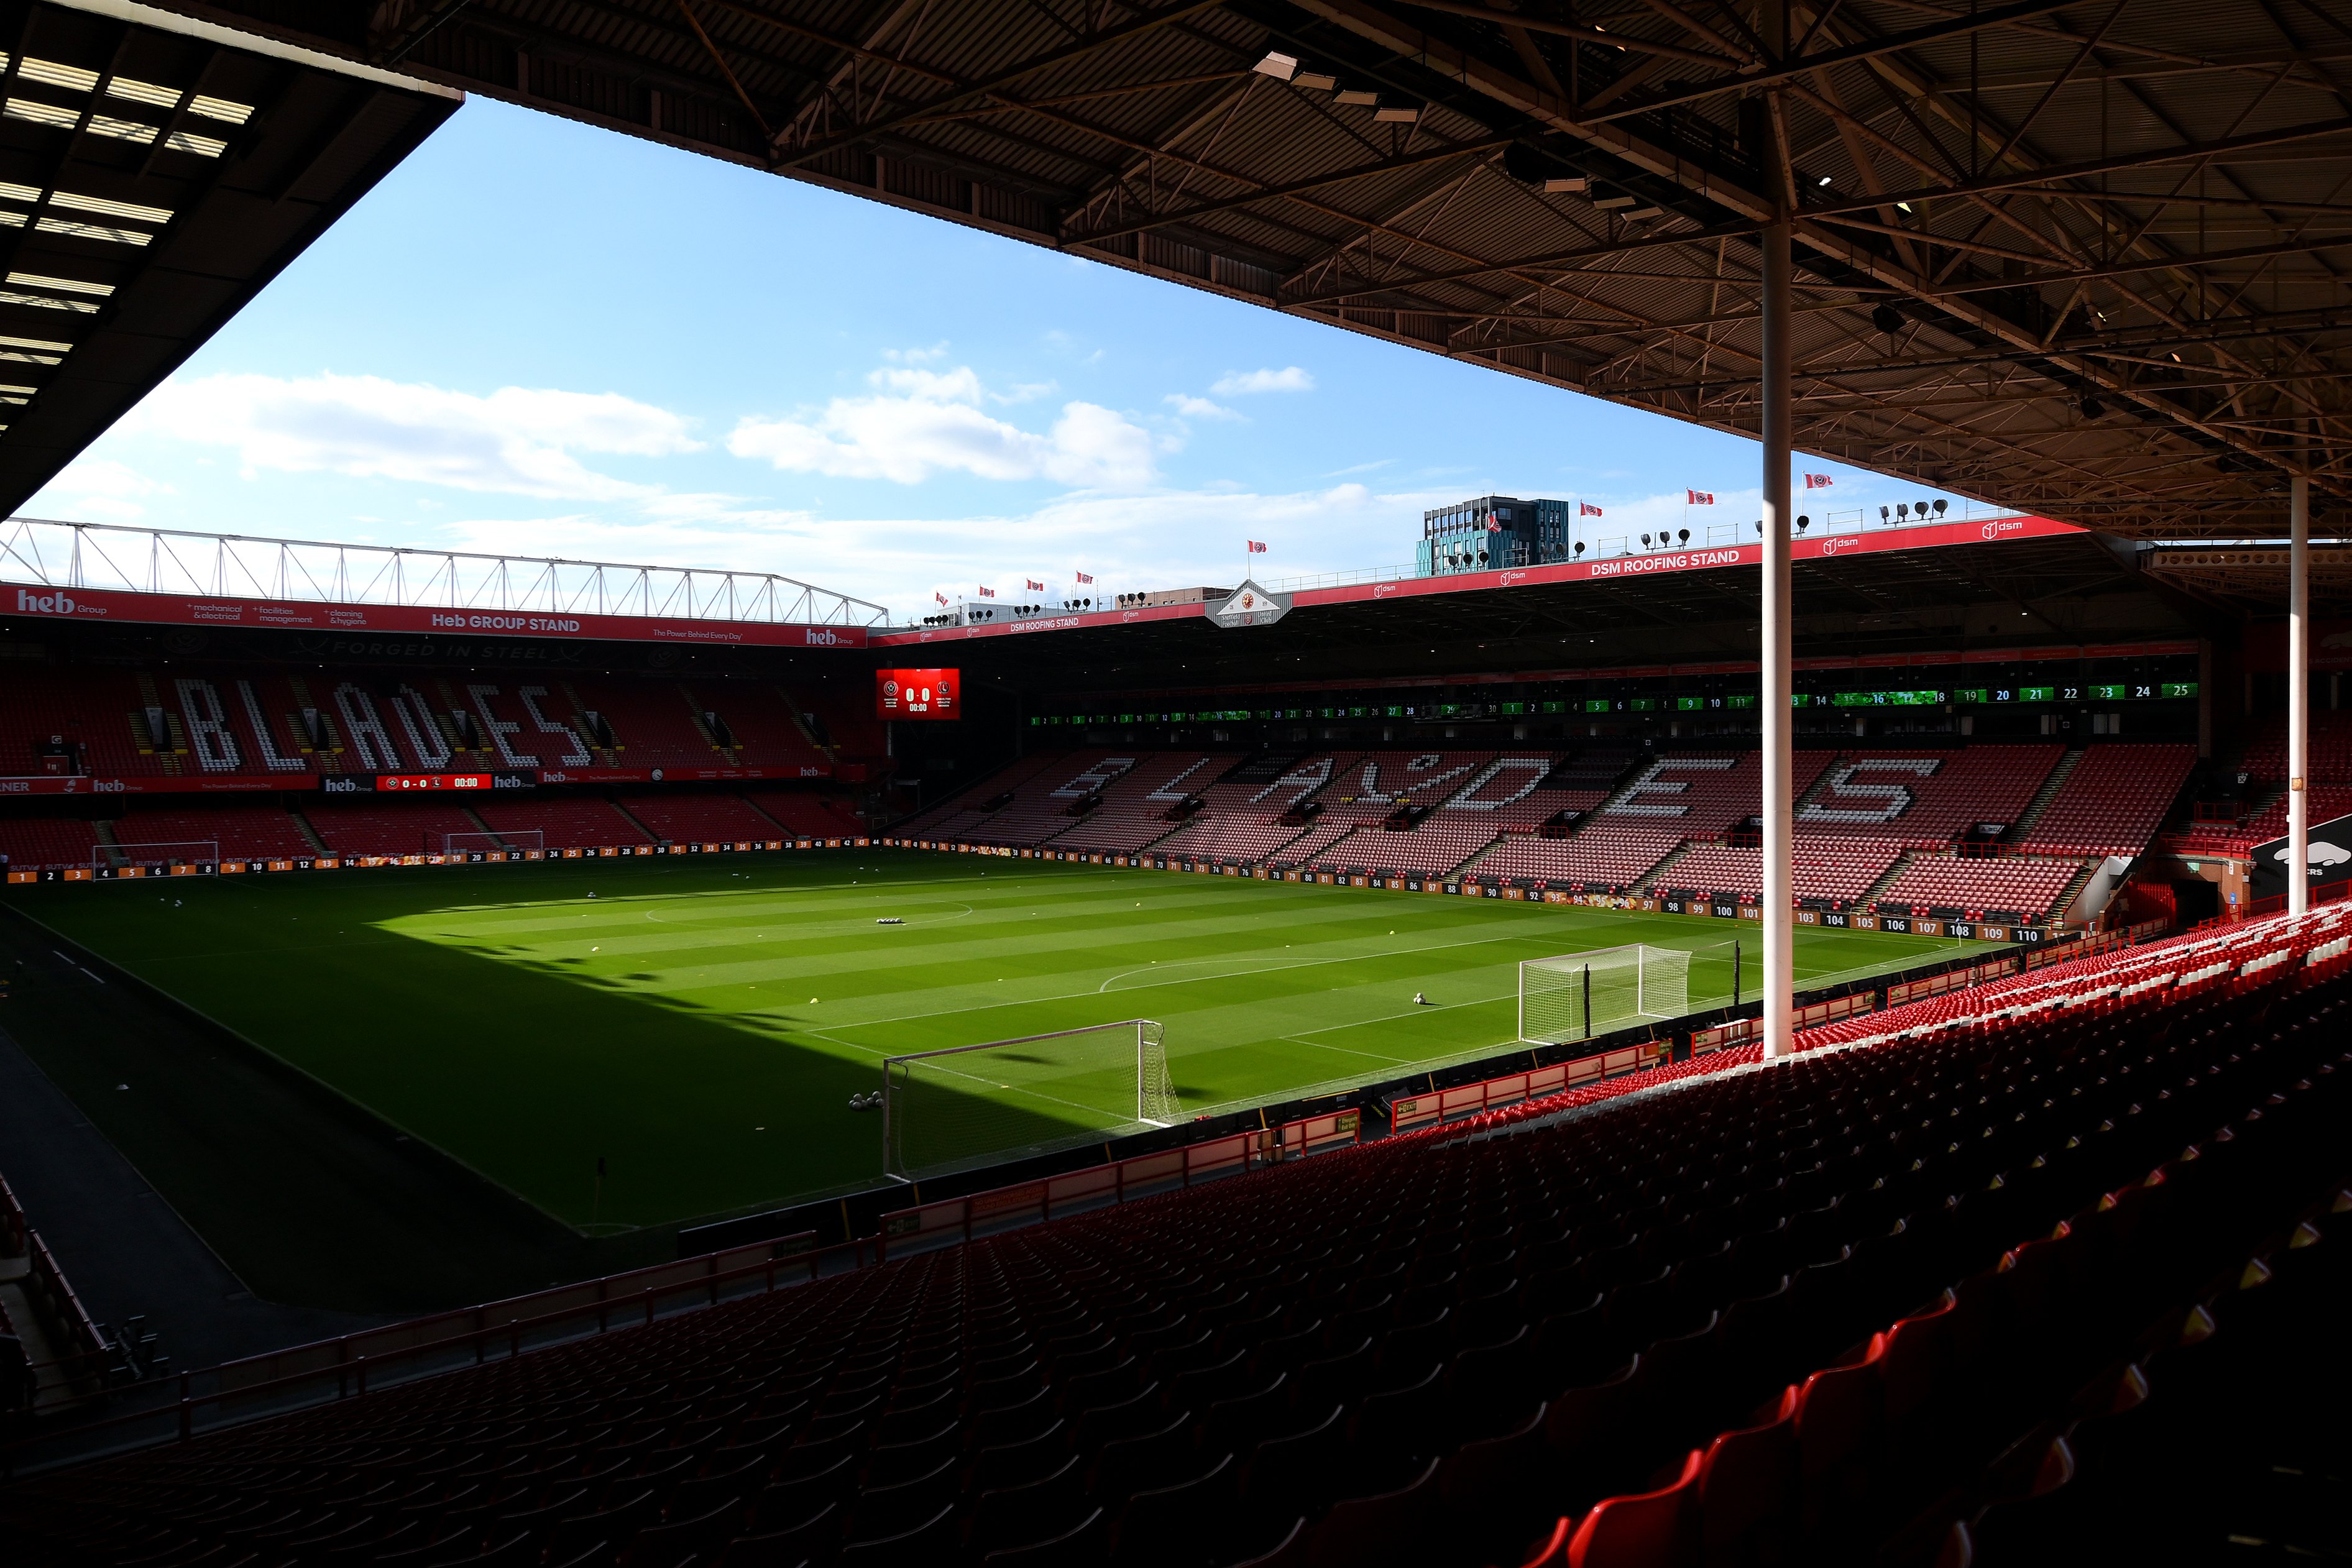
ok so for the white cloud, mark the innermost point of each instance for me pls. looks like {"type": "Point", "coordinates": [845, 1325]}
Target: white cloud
{"type": "Point", "coordinates": [1200, 407]}
{"type": "Point", "coordinates": [1143, 539]}
{"type": "Point", "coordinates": [517, 441]}
{"type": "Point", "coordinates": [85, 491]}
{"type": "Point", "coordinates": [1238, 384]}
{"type": "Point", "coordinates": [927, 421]}
{"type": "Point", "coordinates": [938, 351]}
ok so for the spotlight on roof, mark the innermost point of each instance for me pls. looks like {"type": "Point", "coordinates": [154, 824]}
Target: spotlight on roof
{"type": "Point", "coordinates": [1685, 536]}
{"type": "Point", "coordinates": [1886, 318]}
{"type": "Point", "coordinates": [1580, 547]}
{"type": "Point", "coordinates": [2093, 408]}
{"type": "Point", "coordinates": [1940, 505]}
{"type": "Point", "coordinates": [1804, 523]}
{"type": "Point", "coordinates": [1824, 181]}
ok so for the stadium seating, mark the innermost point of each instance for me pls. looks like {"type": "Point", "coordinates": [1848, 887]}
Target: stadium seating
{"type": "Point", "coordinates": [1821, 865]}
{"type": "Point", "coordinates": [700, 819]}
{"type": "Point", "coordinates": [32, 843]}
{"type": "Point", "coordinates": [260, 831]}
{"type": "Point", "coordinates": [366, 827]}
{"type": "Point", "coordinates": [1376, 785]}
{"type": "Point", "coordinates": [372, 721]}
{"type": "Point", "coordinates": [1600, 856]}
{"type": "Point", "coordinates": [1925, 797]}
{"type": "Point", "coordinates": [2114, 801]}
{"type": "Point", "coordinates": [1135, 806]}
{"type": "Point", "coordinates": [805, 812]}
{"type": "Point", "coordinates": [1975, 883]}
{"type": "Point", "coordinates": [564, 824]}
{"type": "Point", "coordinates": [1774, 1315]}
{"type": "Point", "coordinates": [963, 815]}
{"type": "Point", "coordinates": [1241, 815]}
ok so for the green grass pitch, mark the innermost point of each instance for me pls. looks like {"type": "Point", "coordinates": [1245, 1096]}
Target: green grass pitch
{"type": "Point", "coordinates": [701, 1022]}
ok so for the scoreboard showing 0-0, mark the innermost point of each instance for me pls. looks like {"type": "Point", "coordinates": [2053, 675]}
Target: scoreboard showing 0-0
{"type": "Point", "coordinates": [917, 694]}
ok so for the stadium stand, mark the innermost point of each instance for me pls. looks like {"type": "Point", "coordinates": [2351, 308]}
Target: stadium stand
{"type": "Point", "coordinates": [1241, 814]}
{"type": "Point", "coordinates": [259, 832]}
{"type": "Point", "coordinates": [961, 815]}
{"type": "Point", "coordinates": [365, 827]}
{"type": "Point", "coordinates": [698, 818]}
{"type": "Point", "coordinates": [1779, 1313]}
{"type": "Point", "coordinates": [1927, 798]}
{"type": "Point", "coordinates": [1821, 865]}
{"type": "Point", "coordinates": [1973, 883]}
{"type": "Point", "coordinates": [811, 813]}
{"type": "Point", "coordinates": [1041, 807]}
{"type": "Point", "coordinates": [1378, 785]}
{"type": "Point", "coordinates": [225, 719]}
{"type": "Point", "coordinates": [32, 843]}
{"type": "Point", "coordinates": [575, 824]}
{"type": "Point", "coordinates": [1135, 806]}
{"type": "Point", "coordinates": [2114, 801]}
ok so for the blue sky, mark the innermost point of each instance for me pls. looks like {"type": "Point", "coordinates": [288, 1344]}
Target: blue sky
{"type": "Point", "coordinates": [547, 339]}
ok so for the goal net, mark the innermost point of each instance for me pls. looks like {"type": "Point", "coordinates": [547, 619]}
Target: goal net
{"type": "Point", "coordinates": [486, 843]}
{"type": "Point", "coordinates": [1580, 995]}
{"type": "Point", "coordinates": [951, 1110]}
{"type": "Point", "coordinates": [168, 851]}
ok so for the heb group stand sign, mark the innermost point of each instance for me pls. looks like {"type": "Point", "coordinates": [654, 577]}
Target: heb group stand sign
{"type": "Point", "coordinates": [43, 602]}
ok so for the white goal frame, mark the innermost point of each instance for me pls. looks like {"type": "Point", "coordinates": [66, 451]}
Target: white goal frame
{"type": "Point", "coordinates": [1155, 1091]}
{"type": "Point", "coordinates": [1571, 963]}
{"type": "Point", "coordinates": [108, 857]}
{"type": "Point", "coordinates": [494, 843]}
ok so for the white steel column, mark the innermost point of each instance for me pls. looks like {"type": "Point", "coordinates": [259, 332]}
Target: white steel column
{"type": "Point", "coordinates": [1780, 800]}
{"type": "Point", "coordinates": [2298, 698]}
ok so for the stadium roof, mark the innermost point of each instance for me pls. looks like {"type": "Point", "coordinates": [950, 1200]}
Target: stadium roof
{"type": "Point", "coordinates": [155, 173]}
{"type": "Point", "coordinates": [2085, 260]}
{"type": "Point", "coordinates": [1880, 598]}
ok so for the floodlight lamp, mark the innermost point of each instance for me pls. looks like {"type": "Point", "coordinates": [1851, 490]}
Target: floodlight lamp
{"type": "Point", "coordinates": [1645, 540]}
{"type": "Point", "coordinates": [1804, 523]}
{"type": "Point", "coordinates": [1825, 180]}
{"type": "Point", "coordinates": [1940, 506]}
{"type": "Point", "coordinates": [1901, 508]}
{"type": "Point", "coordinates": [1882, 514]}
{"type": "Point", "coordinates": [1685, 536]}
{"type": "Point", "coordinates": [1580, 547]}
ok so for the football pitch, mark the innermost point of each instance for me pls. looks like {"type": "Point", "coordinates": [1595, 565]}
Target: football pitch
{"type": "Point", "coordinates": [698, 1025]}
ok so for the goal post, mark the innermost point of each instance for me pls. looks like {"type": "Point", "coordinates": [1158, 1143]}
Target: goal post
{"type": "Point", "coordinates": [511, 842]}
{"type": "Point", "coordinates": [1577, 996]}
{"type": "Point", "coordinates": [968, 1105]}
{"type": "Point", "coordinates": [167, 851]}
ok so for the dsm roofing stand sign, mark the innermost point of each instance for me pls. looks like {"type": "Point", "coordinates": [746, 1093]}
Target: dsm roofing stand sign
{"type": "Point", "coordinates": [1250, 605]}
{"type": "Point", "coordinates": [2330, 858]}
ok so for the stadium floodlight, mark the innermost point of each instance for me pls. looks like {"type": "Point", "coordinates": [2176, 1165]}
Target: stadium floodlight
{"type": "Point", "coordinates": [968, 1105]}
{"type": "Point", "coordinates": [167, 851]}
{"type": "Point", "coordinates": [1579, 995]}
{"type": "Point", "coordinates": [514, 842]}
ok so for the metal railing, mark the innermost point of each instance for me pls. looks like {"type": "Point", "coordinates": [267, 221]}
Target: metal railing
{"type": "Point", "coordinates": [101, 556]}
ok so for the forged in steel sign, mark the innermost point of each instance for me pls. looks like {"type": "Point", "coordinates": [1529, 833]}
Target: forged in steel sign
{"type": "Point", "coordinates": [1250, 605]}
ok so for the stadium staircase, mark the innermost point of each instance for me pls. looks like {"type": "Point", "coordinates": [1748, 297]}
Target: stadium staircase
{"type": "Point", "coordinates": [2022, 829]}
{"type": "Point", "coordinates": [1652, 879]}
{"type": "Point", "coordinates": [1899, 1292]}
{"type": "Point", "coordinates": [2072, 891]}
{"type": "Point", "coordinates": [310, 834]}
{"type": "Point", "coordinates": [651, 837]}
{"type": "Point", "coordinates": [1888, 879]}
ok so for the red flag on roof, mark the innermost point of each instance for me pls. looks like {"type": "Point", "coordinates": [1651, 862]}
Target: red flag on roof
{"type": "Point", "coordinates": [1700, 497]}
{"type": "Point", "coordinates": [1254, 547]}
{"type": "Point", "coordinates": [1032, 585]}
{"type": "Point", "coordinates": [1817, 481]}
{"type": "Point", "coordinates": [1584, 509]}
{"type": "Point", "coordinates": [938, 595]}
{"type": "Point", "coordinates": [988, 593]}
{"type": "Point", "coordinates": [1083, 578]}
